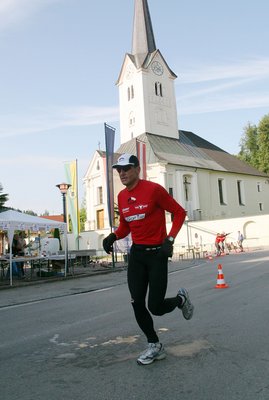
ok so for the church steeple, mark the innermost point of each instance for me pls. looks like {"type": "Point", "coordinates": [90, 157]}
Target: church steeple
{"type": "Point", "coordinates": [146, 84]}
{"type": "Point", "coordinates": [143, 38]}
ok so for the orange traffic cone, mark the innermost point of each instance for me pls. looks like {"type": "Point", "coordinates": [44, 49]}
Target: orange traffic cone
{"type": "Point", "coordinates": [220, 280]}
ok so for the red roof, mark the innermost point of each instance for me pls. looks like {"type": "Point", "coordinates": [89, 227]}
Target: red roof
{"type": "Point", "coordinates": [59, 218]}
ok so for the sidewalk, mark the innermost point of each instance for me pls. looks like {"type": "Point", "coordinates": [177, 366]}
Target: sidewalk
{"type": "Point", "coordinates": [39, 275]}
{"type": "Point", "coordinates": [91, 269]}
{"type": "Point", "coordinates": [90, 279]}
{"type": "Point", "coordinates": [78, 271]}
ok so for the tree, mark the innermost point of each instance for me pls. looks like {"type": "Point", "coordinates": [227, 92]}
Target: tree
{"type": "Point", "coordinates": [3, 198]}
{"type": "Point", "coordinates": [45, 213]}
{"type": "Point", "coordinates": [30, 212]}
{"type": "Point", "coordinates": [255, 145]}
{"type": "Point", "coordinates": [263, 144]}
{"type": "Point", "coordinates": [249, 146]}
{"type": "Point", "coordinates": [83, 217]}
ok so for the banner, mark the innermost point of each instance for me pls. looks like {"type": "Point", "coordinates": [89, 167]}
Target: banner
{"type": "Point", "coordinates": [72, 197]}
{"type": "Point", "coordinates": [109, 140]}
{"type": "Point", "coordinates": [141, 155]}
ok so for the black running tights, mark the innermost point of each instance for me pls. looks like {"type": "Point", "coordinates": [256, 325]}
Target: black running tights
{"type": "Point", "coordinates": [147, 271]}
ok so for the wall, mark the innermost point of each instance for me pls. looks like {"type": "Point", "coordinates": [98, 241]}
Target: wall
{"type": "Point", "coordinates": [209, 195]}
{"type": "Point", "coordinates": [201, 233]}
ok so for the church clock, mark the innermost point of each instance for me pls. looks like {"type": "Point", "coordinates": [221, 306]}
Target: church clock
{"type": "Point", "coordinates": [157, 68]}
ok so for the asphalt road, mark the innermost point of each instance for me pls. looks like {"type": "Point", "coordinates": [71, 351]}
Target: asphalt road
{"type": "Point", "coordinates": [78, 339]}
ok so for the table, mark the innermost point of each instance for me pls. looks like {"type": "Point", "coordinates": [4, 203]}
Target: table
{"type": "Point", "coordinates": [33, 260]}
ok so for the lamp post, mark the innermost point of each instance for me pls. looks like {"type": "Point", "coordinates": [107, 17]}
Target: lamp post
{"type": "Point", "coordinates": [188, 236]}
{"type": "Point", "coordinates": [190, 249]}
{"type": "Point", "coordinates": [63, 187]}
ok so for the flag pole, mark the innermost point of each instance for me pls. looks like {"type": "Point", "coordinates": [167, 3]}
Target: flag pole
{"type": "Point", "coordinates": [141, 151]}
{"type": "Point", "coordinates": [72, 198]}
{"type": "Point", "coordinates": [78, 212]}
{"type": "Point", "coordinates": [109, 140]}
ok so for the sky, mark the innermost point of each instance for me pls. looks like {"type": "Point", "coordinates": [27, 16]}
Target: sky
{"type": "Point", "coordinates": [60, 60]}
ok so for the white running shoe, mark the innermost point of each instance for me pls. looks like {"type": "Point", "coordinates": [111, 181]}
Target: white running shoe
{"type": "Point", "coordinates": [187, 307]}
{"type": "Point", "coordinates": [155, 351]}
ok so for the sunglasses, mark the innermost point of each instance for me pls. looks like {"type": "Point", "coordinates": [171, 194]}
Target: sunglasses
{"type": "Point", "coordinates": [124, 168]}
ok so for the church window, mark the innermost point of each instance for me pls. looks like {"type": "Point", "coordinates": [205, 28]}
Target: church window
{"type": "Point", "coordinates": [100, 195]}
{"type": "Point", "coordinates": [130, 92]}
{"type": "Point", "coordinates": [98, 165]}
{"type": "Point", "coordinates": [170, 191]}
{"type": "Point", "coordinates": [158, 89]}
{"type": "Point", "coordinates": [222, 192]}
{"type": "Point", "coordinates": [240, 191]}
{"type": "Point", "coordinates": [131, 119]}
{"type": "Point", "coordinates": [187, 188]}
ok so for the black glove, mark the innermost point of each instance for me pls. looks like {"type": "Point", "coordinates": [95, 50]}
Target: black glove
{"type": "Point", "coordinates": [167, 248]}
{"type": "Point", "coordinates": [108, 242]}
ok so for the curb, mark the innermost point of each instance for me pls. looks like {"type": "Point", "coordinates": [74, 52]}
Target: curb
{"type": "Point", "coordinates": [22, 283]}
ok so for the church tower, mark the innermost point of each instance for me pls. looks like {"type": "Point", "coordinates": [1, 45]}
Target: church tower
{"type": "Point", "coordinates": [207, 181]}
{"type": "Point", "coordinates": [146, 84]}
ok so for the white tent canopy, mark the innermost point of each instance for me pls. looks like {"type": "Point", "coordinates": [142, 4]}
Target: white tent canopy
{"type": "Point", "coordinates": [14, 220]}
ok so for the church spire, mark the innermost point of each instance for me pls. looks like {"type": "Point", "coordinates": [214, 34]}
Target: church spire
{"type": "Point", "coordinates": [143, 37]}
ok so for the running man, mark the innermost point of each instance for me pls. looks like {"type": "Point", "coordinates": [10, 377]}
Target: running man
{"type": "Point", "coordinates": [142, 205]}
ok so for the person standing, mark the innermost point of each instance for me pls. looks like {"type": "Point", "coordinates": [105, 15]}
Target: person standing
{"type": "Point", "coordinates": [15, 248]}
{"type": "Point", "coordinates": [21, 245]}
{"type": "Point", "coordinates": [218, 241]}
{"type": "Point", "coordinates": [142, 205]}
{"type": "Point", "coordinates": [240, 241]}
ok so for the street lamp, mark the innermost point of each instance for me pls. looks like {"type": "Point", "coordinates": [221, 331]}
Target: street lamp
{"type": "Point", "coordinates": [188, 236]}
{"type": "Point", "coordinates": [63, 187]}
{"type": "Point", "coordinates": [190, 248]}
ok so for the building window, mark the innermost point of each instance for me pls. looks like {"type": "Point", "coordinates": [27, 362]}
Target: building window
{"type": "Point", "coordinates": [98, 165]}
{"type": "Point", "coordinates": [100, 219]}
{"type": "Point", "coordinates": [222, 194]}
{"type": "Point", "coordinates": [259, 188]}
{"type": "Point", "coordinates": [158, 89]}
{"type": "Point", "coordinates": [131, 119]}
{"type": "Point", "coordinates": [99, 195]}
{"type": "Point", "coordinates": [260, 206]}
{"type": "Point", "coordinates": [170, 191]}
{"type": "Point", "coordinates": [240, 192]}
{"type": "Point", "coordinates": [130, 93]}
{"type": "Point", "coordinates": [187, 187]}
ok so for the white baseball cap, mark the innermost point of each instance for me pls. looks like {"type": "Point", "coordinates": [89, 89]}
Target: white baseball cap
{"type": "Point", "coordinates": [126, 159]}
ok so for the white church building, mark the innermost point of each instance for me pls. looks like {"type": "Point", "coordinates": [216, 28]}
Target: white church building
{"type": "Point", "coordinates": [208, 182]}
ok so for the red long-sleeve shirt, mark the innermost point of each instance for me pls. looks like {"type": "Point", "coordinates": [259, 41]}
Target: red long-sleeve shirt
{"type": "Point", "coordinates": [142, 212]}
